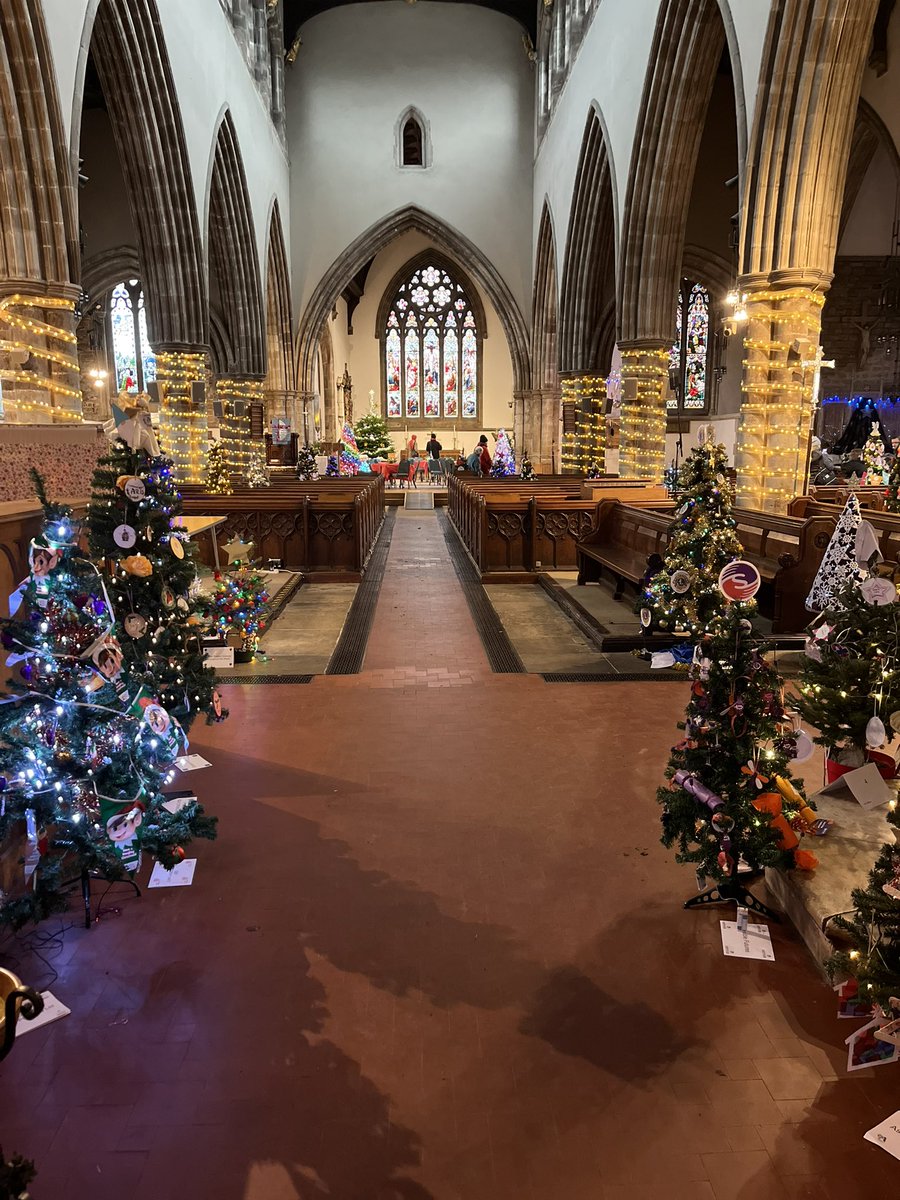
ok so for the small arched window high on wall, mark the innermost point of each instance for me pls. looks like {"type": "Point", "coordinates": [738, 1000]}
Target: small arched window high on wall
{"type": "Point", "coordinates": [431, 326]}
{"type": "Point", "coordinates": [412, 140]}
{"type": "Point", "coordinates": [689, 356]}
{"type": "Point", "coordinates": [133, 356]}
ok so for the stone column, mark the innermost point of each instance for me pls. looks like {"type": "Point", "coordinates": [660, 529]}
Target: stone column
{"type": "Point", "coordinates": [780, 346]}
{"type": "Point", "coordinates": [235, 394]}
{"type": "Point", "coordinates": [540, 420]}
{"type": "Point", "coordinates": [587, 445]}
{"type": "Point", "coordinates": [181, 373]}
{"type": "Point", "coordinates": [642, 433]}
{"type": "Point", "coordinates": [39, 373]}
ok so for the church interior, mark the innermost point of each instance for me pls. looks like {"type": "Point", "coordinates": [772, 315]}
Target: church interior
{"type": "Point", "coordinates": [450, 516]}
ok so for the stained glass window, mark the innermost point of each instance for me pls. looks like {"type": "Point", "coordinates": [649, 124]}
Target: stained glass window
{"type": "Point", "coordinates": [691, 346]}
{"type": "Point", "coordinates": [432, 317]}
{"type": "Point", "coordinates": [133, 356]}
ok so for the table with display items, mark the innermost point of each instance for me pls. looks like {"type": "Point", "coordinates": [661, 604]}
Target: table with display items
{"type": "Point", "coordinates": [193, 526]}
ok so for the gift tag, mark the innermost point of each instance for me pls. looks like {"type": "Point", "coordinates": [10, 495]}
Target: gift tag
{"type": "Point", "coordinates": [878, 591]}
{"type": "Point", "coordinates": [124, 536]}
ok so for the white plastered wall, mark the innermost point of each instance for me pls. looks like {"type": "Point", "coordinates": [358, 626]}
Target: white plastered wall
{"type": "Point", "coordinates": [465, 70]}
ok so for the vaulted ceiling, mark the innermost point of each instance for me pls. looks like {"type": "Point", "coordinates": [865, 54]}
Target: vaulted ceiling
{"type": "Point", "coordinates": [298, 11]}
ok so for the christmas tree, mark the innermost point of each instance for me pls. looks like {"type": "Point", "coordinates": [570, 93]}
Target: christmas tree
{"type": "Point", "coordinates": [239, 608]}
{"type": "Point", "coordinates": [150, 574]}
{"type": "Point", "coordinates": [684, 596]}
{"type": "Point", "coordinates": [306, 464]}
{"type": "Point", "coordinates": [873, 457]}
{"type": "Point", "coordinates": [218, 478]}
{"type": "Point", "coordinates": [892, 497]}
{"type": "Point", "coordinates": [839, 565]}
{"type": "Point", "coordinates": [87, 744]}
{"type": "Point", "coordinates": [850, 676]}
{"type": "Point", "coordinates": [504, 462]}
{"type": "Point", "coordinates": [874, 933]}
{"type": "Point", "coordinates": [594, 471]}
{"type": "Point", "coordinates": [730, 795]}
{"type": "Point", "coordinates": [332, 470]}
{"type": "Point", "coordinates": [350, 462]}
{"type": "Point", "coordinates": [372, 437]}
{"type": "Point", "coordinates": [528, 471]}
{"type": "Point", "coordinates": [257, 471]}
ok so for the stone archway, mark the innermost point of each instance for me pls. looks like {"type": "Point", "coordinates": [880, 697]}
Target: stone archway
{"type": "Point", "coordinates": [541, 417]}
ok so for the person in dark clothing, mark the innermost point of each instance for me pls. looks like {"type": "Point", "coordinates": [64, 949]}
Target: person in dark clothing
{"type": "Point", "coordinates": [434, 447]}
{"type": "Point", "coordinates": [485, 455]}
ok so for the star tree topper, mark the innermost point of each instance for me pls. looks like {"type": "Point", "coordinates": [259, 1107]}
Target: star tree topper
{"type": "Point", "coordinates": [237, 550]}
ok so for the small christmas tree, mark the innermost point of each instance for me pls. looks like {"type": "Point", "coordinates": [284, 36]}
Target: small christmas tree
{"type": "Point", "coordinates": [730, 795]}
{"type": "Point", "coordinates": [332, 470]}
{"type": "Point", "coordinates": [528, 471]}
{"type": "Point", "coordinates": [350, 461]}
{"type": "Point", "coordinates": [504, 462]}
{"type": "Point", "coordinates": [594, 471]}
{"type": "Point", "coordinates": [218, 478]}
{"type": "Point", "coordinates": [372, 437]}
{"type": "Point", "coordinates": [257, 471]}
{"type": "Point", "coordinates": [306, 464]}
{"type": "Point", "coordinates": [150, 572]}
{"type": "Point", "coordinates": [892, 497]}
{"type": "Point", "coordinates": [87, 746]}
{"type": "Point", "coordinates": [839, 564]}
{"type": "Point", "coordinates": [684, 596]}
{"type": "Point", "coordinates": [873, 457]}
{"type": "Point", "coordinates": [239, 608]}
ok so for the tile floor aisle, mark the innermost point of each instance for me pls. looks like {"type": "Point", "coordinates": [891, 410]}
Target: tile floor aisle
{"type": "Point", "coordinates": [437, 953]}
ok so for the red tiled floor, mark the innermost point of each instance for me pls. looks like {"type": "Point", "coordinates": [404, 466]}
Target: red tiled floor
{"type": "Point", "coordinates": [438, 953]}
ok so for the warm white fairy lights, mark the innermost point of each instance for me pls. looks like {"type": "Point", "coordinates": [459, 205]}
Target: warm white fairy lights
{"type": "Point", "coordinates": [645, 372]}
{"type": "Point", "coordinates": [182, 424]}
{"type": "Point", "coordinates": [29, 337]}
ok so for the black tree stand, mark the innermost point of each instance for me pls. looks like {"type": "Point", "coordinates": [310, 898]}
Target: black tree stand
{"type": "Point", "coordinates": [85, 881]}
{"type": "Point", "coordinates": [732, 891]}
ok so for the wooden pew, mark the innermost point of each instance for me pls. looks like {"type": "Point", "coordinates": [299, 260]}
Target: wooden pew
{"type": "Point", "coordinates": [834, 493]}
{"type": "Point", "coordinates": [885, 524]}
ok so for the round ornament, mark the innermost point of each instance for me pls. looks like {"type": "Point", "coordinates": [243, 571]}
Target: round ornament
{"type": "Point", "coordinates": [680, 581]}
{"type": "Point", "coordinates": [176, 545]}
{"type": "Point", "coordinates": [878, 591]}
{"type": "Point", "coordinates": [646, 617]}
{"type": "Point", "coordinates": [722, 823]}
{"type": "Point", "coordinates": [876, 734]}
{"type": "Point", "coordinates": [135, 489]}
{"type": "Point", "coordinates": [135, 625]}
{"type": "Point", "coordinates": [124, 536]}
{"type": "Point", "coordinates": [804, 747]}
{"type": "Point", "coordinates": [137, 564]}
{"type": "Point", "coordinates": [681, 511]}
{"type": "Point", "coordinates": [182, 605]}
{"type": "Point", "coordinates": [168, 598]}
{"type": "Point", "coordinates": [739, 580]}
{"type": "Point", "coordinates": [721, 480]}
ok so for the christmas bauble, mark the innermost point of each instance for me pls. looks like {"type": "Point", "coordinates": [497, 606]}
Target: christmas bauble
{"type": "Point", "coordinates": [125, 536]}
{"type": "Point", "coordinates": [135, 625]}
{"type": "Point", "coordinates": [876, 734]}
{"type": "Point", "coordinates": [178, 852]}
{"type": "Point", "coordinates": [680, 581]}
{"type": "Point", "coordinates": [139, 565]}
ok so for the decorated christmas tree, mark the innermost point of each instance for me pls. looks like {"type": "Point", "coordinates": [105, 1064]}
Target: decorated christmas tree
{"type": "Point", "coordinates": [873, 456]}
{"type": "Point", "coordinates": [372, 437]}
{"type": "Point", "coordinates": [594, 471]}
{"type": "Point", "coordinates": [730, 796]}
{"type": "Point", "coordinates": [350, 461]}
{"type": "Point", "coordinates": [839, 565]}
{"type": "Point", "coordinates": [850, 677]}
{"type": "Point", "coordinates": [218, 478]}
{"type": "Point", "coordinates": [684, 596]}
{"type": "Point", "coordinates": [527, 470]}
{"type": "Point", "coordinates": [892, 497]}
{"type": "Point", "coordinates": [150, 573]}
{"type": "Point", "coordinates": [239, 608]}
{"type": "Point", "coordinates": [332, 470]}
{"type": "Point", "coordinates": [504, 462]}
{"type": "Point", "coordinates": [257, 471]}
{"type": "Point", "coordinates": [306, 464]}
{"type": "Point", "coordinates": [87, 745]}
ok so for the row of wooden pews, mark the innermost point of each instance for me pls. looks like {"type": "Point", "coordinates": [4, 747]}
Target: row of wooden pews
{"type": "Point", "coordinates": [324, 525]}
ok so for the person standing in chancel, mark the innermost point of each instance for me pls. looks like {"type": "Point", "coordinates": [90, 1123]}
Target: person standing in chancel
{"type": "Point", "coordinates": [412, 447]}
{"type": "Point", "coordinates": [433, 448]}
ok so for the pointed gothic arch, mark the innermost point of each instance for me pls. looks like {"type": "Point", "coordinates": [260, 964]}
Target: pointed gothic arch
{"type": "Point", "coordinates": [232, 249]}
{"type": "Point", "coordinates": [40, 245]}
{"type": "Point", "coordinates": [446, 238]}
{"type": "Point", "coordinates": [146, 120]}
{"type": "Point", "coordinates": [688, 42]}
{"type": "Point", "coordinates": [587, 312]}
{"type": "Point", "coordinates": [545, 315]}
{"type": "Point", "coordinates": [279, 338]}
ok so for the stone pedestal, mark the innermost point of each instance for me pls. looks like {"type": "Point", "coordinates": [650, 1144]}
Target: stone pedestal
{"type": "Point", "coordinates": [645, 377]}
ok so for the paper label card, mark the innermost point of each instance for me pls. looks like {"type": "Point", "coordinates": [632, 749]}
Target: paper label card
{"type": "Point", "coordinates": [176, 801]}
{"type": "Point", "coordinates": [752, 942]}
{"type": "Point", "coordinates": [53, 1010]}
{"type": "Point", "coordinates": [864, 1049]}
{"type": "Point", "coordinates": [865, 784]}
{"type": "Point", "coordinates": [218, 656]}
{"type": "Point", "coordinates": [181, 875]}
{"type": "Point", "coordinates": [886, 1135]}
{"type": "Point", "coordinates": [191, 762]}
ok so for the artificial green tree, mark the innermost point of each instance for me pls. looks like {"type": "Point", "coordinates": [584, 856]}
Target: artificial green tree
{"type": "Point", "coordinates": [306, 464]}
{"type": "Point", "coordinates": [873, 456]}
{"type": "Point", "coordinates": [892, 497]}
{"type": "Point", "coordinates": [527, 471]}
{"type": "Point", "coordinates": [218, 476]}
{"type": "Point", "coordinates": [684, 595]}
{"type": "Point", "coordinates": [372, 437]}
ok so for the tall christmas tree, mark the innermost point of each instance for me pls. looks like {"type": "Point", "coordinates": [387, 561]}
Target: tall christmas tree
{"type": "Point", "coordinates": [218, 477]}
{"type": "Point", "coordinates": [350, 462]}
{"type": "Point", "coordinates": [873, 456]}
{"type": "Point", "coordinates": [150, 572]}
{"type": "Point", "coordinates": [257, 471]}
{"type": "Point", "coordinates": [504, 462]}
{"type": "Point", "coordinates": [684, 596]}
{"type": "Point", "coordinates": [372, 437]}
{"type": "Point", "coordinates": [306, 464]}
{"type": "Point", "coordinates": [730, 796]}
{"type": "Point", "coordinates": [87, 743]}
{"type": "Point", "coordinates": [892, 497]}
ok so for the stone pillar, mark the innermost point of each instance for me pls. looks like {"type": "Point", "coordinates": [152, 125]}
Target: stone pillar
{"type": "Point", "coordinates": [587, 444]}
{"type": "Point", "coordinates": [181, 373]}
{"type": "Point", "coordinates": [235, 395]}
{"type": "Point", "coordinates": [780, 346]}
{"type": "Point", "coordinates": [39, 373]}
{"type": "Point", "coordinates": [642, 433]}
{"type": "Point", "coordinates": [540, 429]}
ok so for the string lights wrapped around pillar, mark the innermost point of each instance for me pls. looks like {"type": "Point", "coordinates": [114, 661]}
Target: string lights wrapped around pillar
{"type": "Point", "coordinates": [587, 445]}
{"type": "Point", "coordinates": [183, 425]}
{"type": "Point", "coordinates": [236, 396]}
{"type": "Point", "coordinates": [645, 376]}
{"type": "Point", "coordinates": [780, 373]}
{"type": "Point", "coordinates": [24, 337]}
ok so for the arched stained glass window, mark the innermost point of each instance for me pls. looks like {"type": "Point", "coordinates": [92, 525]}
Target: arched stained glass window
{"type": "Point", "coordinates": [690, 352]}
{"type": "Point", "coordinates": [431, 338]}
{"type": "Point", "coordinates": [133, 356]}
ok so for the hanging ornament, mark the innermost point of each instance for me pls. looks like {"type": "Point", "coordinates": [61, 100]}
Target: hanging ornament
{"type": "Point", "coordinates": [646, 617]}
{"type": "Point", "coordinates": [803, 747]}
{"type": "Point", "coordinates": [739, 580]}
{"type": "Point", "coordinates": [124, 536]}
{"type": "Point", "coordinates": [680, 581]}
{"type": "Point", "coordinates": [176, 545]}
{"type": "Point", "coordinates": [134, 488]}
{"type": "Point", "coordinates": [182, 605]}
{"type": "Point", "coordinates": [167, 596]}
{"type": "Point", "coordinates": [137, 564]}
{"type": "Point", "coordinates": [878, 591]}
{"type": "Point", "coordinates": [135, 625]}
{"type": "Point", "coordinates": [876, 734]}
